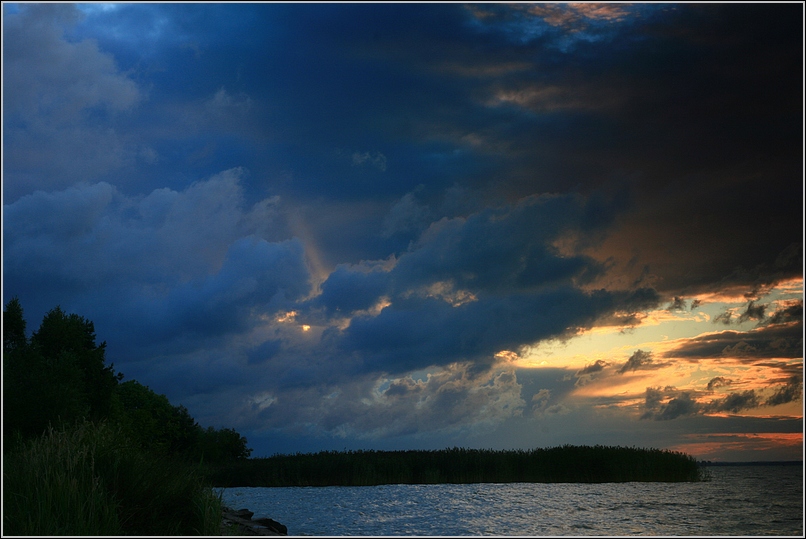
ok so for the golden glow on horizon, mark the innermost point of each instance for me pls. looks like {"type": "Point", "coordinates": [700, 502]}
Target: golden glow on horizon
{"type": "Point", "coordinates": [719, 443]}
{"type": "Point", "coordinates": [597, 359]}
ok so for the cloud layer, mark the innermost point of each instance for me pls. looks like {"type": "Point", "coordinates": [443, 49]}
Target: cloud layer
{"type": "Point", "coordinates": [331, 223]}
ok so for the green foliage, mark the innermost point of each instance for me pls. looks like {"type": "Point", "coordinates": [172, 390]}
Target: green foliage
{"type": "Point", "coordinates": [13, 327]}
{"type": "Point", "coordinates": [58, 377]}
{"type": "Point", "coordinates": [158, 426]}
{"type": "Point", "coordinates": [566, 464]}
{"type": "Point", "coordinates": [88, 455]}
{"type": "Point", "coordinates": [71, 338]}
{"type": "Point", "coordinates": [90, 480]}
{"type": "Point", "coordinates": [153, 422]}
{"type": "Point", "coordinates": [221, 446]}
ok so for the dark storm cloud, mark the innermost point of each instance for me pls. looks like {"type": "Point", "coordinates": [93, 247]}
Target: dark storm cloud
{"type": "Point", "coordinates": [455, 180]}
{"type": "Point", "coordinates": [181, 266]}
{"type": "Point", "coordinates": [348, 289]}
{"type": "Point", "coordinates": [471, 287]}
{"type": "Point", "coordinates": [745, 71]}
{"type": "Point", "coordinates": [416, 333]}
{"type": "Point", "coordinates": [784, 341]}
{"type": "Point", "coordinates": [319, 78]}
{"type": "Point", "coordinates": [507, 248]}
{"type": "Point", "coordinates": [51, 87]}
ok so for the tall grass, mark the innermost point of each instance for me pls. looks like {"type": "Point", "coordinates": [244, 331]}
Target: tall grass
{"type": "Point", "coordinates": [566, 464]}
{"type": "Point", "coordinates": [89, 480]}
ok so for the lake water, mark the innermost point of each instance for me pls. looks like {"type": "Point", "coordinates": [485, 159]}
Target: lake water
{"type": "Point", "coordinates": [739, 500]}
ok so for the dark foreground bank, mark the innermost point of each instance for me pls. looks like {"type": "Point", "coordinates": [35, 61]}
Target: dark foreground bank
{"type": "Point", "coordinates": [565, 464]}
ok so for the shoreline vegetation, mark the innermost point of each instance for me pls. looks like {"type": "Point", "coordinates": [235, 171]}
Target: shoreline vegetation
{"type": "Point", "coordinates": [565, 464]}
{"type": "Point", "coordinates": [85, 453]}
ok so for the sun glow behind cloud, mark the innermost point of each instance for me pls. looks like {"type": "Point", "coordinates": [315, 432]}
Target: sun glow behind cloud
{"type": "Point", "coordinates": [732, 382]}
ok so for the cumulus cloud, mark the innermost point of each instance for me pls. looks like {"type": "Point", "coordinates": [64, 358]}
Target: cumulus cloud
{"type": "Point", "coordinates": [471, 287]}
{"type": "Point", "coordinates": [51, 88]}
{"type": "Point", "coordinates": [407, 215]}
{"type": "Point", "coordinates": [168, 265]}
{"type": "Point", "coordinates": [506, 248]}
{"type": "Point", "coordinates": [61, 78]}
{"type": "Point", "coordinates": [447, 400]}
{"type": "Point", "coordinates": [541, 400]}
{"type": "Point", "coordinates": [195, 285]}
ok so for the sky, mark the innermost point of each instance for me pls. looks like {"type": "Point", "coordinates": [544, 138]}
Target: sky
{"type": "Point", "coordinates": [419, 226]}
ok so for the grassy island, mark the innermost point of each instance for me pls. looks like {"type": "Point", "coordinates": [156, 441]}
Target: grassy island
{"type": "Point", "coordinates": [565, 464]}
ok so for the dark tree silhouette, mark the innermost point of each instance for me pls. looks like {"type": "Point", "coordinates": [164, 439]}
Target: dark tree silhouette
{"type": "Point", "coordinates": [13, 327]}
{"type": "Point", "coordinates": [70, 340]}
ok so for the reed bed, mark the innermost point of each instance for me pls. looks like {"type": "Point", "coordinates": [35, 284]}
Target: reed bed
{"type": "Point", "coordinates": [565, 464]}
{"type": "Point", "coordinates": [89, 480]}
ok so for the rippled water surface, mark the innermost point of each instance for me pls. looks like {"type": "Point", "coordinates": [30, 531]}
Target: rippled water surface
{"type": "Point", "coordinates": [739, 500]}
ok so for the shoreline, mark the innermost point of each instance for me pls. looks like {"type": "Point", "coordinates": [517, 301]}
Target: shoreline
{"type": "Point", "coordinates": [241, 520]}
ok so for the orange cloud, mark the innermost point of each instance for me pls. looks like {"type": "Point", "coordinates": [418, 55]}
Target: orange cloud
{"type": "Point", "coordinates": [574, 16]}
